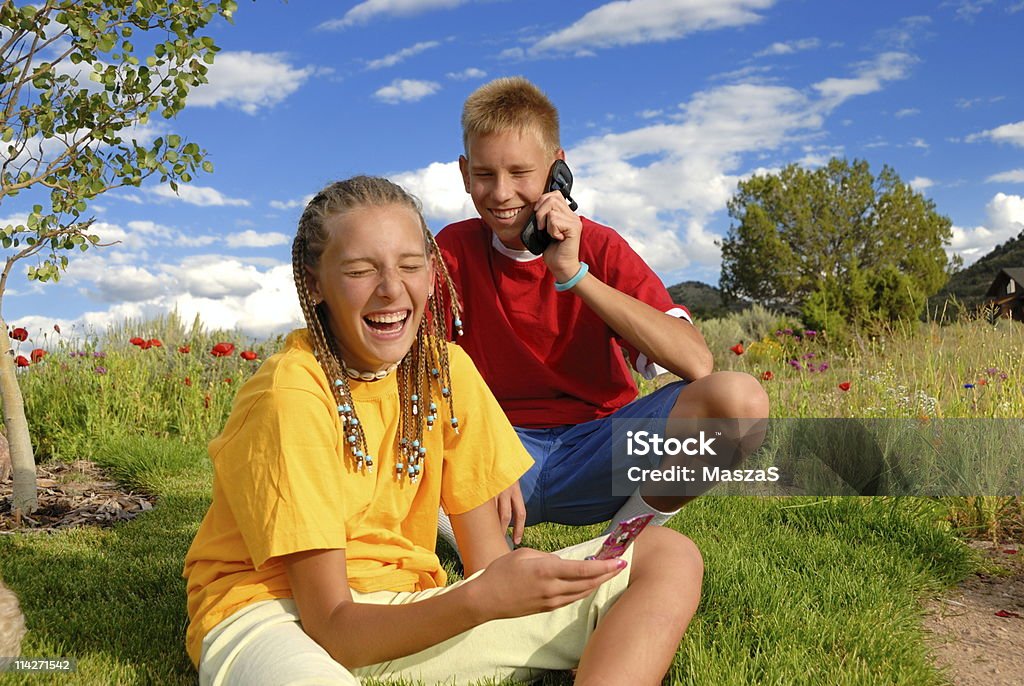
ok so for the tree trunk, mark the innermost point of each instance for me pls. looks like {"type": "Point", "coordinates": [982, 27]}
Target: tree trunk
{"type": "Point", "coordinates": [22, 459]}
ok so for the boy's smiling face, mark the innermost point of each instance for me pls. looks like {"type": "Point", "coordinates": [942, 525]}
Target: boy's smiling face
{"type": "Point", "coordinates": [505, 173]}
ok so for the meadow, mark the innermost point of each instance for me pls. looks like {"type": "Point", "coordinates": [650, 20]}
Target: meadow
{"type": "Point", "coordinates": [798, 590]}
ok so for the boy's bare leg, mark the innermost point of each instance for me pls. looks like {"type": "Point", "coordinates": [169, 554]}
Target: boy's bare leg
{"type": "Point", "coordinates": [636, 641]}
{"type": "Point", "coordinates": [722, 395]}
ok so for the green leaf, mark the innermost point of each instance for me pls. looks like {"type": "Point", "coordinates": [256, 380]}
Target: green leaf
{"type": "Point", "coordinates": [208, 166]}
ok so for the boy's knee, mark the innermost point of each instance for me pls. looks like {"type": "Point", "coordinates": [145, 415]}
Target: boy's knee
{"type": "Point", "coordinates": [726, 395]}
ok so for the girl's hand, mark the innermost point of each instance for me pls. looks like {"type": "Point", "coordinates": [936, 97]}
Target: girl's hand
{"type": "Point", "coordinates": [512, 511]}
{"type": "Point", "coordinates": [528, 581]}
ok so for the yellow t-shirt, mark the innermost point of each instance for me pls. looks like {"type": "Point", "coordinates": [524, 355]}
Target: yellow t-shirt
{"type": "Point", "coordinates": [284, 483]}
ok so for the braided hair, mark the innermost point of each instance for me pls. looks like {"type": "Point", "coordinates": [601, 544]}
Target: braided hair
{"type": "Point", "coordinates": [424, 376]}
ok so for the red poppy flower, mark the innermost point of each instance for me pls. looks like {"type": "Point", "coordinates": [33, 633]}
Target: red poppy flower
{"type": "Point", "coordinates": [38, 354]}
{"type": "Point", "coordinates": [222, 349]}
{"type": "Point", "coordinates": [1010, 551]}
{"type": "Point", "coordinates": [983, 382]}
{"type": "Point", "coordinates": [767, 376]}
{"type": "Point", "coordinates": [146, 345]}
{"type": "Point", "coordinates": [844, 386]}
{"type": "Point", "coordinates": [738, 348]}
{"type": "Point", "coordinates": [206, 400]}
{"type": "Point", "coordinates": [155, 342]}
{"type": "Point", "coordinates": [136, 341]}
{"type": "Point", "coordinates": [21, 361]}
{"type": "Point", "coordinates": [19, 334]}
{"type": "Point", "coordinates": [188, 380]}
{"type": "Point", "coordinates": [185, 349]}
{"type": "Point", "coordinates": [1004, 613]}
{"type": "Point", "coordinates": [247, 355]}
{"type": "Point", "coordinates": [227, 380]}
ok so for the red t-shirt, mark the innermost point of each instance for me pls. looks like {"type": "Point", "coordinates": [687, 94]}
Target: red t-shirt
{"type": "Point", "coordinates": [546, 356]}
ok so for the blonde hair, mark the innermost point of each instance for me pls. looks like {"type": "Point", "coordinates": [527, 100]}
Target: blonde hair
{"type": "Point", "coordinates": [510, 104]}
{"type": "Point", "coordinates": [426, 361]}
{"type": "Point", "coordinates": [12, 625]}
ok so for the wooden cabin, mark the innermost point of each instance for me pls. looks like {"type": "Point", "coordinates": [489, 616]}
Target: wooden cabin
{"type": "Point", "coordinates": [1005, 297]}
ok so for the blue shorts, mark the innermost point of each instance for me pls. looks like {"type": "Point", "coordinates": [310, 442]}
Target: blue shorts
{"type": "Point", "coordinates": [570, 481]}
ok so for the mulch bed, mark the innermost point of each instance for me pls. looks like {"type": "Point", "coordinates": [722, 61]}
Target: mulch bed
{"type": "Point", "coordinates": [70, 495]}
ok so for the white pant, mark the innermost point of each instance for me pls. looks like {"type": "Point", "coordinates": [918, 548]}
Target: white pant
{"type": "Point", "coordinates": [264, 644]}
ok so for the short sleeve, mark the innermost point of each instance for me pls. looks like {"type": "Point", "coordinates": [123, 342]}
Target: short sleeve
{"type": "Point", "coordinates": [486, 456]}
{"type": "Point", "coordinates": [281, 473]}
{"type": "Point", "coordinates": [627, 272]}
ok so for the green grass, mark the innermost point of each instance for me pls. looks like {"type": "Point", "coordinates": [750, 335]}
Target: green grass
{"type": "Point", "coordinates": [797, 590]}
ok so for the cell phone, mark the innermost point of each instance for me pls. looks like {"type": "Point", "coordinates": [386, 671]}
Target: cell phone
{"type": "Point", "coordinates": [559, 179]}
{"type": "Point", "coordinates": [624, 533]}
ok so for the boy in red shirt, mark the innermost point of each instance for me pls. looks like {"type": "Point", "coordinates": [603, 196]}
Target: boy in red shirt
{"type": "Point", "coordinates": [547, 331]}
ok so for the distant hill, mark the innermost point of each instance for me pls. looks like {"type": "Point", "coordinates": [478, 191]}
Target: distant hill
{"type": "Point", "coordinates": [704, 301]}
{"type": "Point", "coordinates": [969, 285]}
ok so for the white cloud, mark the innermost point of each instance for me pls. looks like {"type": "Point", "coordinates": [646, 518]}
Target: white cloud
{"type": "Point", "coordinates": [789, 47]}
{"type": "Point", "coordinates": [628, 22]}
{"type": "Point", "coordinates": [468, 74]}
{"type": "Point", "coordinates": [907, 112]}
{"type": "Point", "coordinates": [1007, 133]}
{"type": "Point", "coordinates": [402, 55]}
{"type": "Point", "coordinates": [918, 143]}
{"type": "Point", "coordinates": [406, 90]}
{"type": "Point", "coordinates": [249, 81]}
{"type": "Point", "coordinates": [203, 196]}
{"type": "Point", "coordinates": [214, 276]}
{"type": "Point", "coordinates": [1012, 176]}
{"type": "Point", "coordinates": [253, 239]}
{"type": "Point", "coordinates": [1005, 221]}
{"type": "Point", "coordinates": [920, 183]}
{"type": "Point", "coordinates": [871, 77]}
{"type": "Point", "coordinates": [128, 283]}
{"type": "Point", "coordinates": [439, 187]}
{"type": "Point", "coordinates": [370, 9]}
{"type": "Point", "coordinates": [291, 204]}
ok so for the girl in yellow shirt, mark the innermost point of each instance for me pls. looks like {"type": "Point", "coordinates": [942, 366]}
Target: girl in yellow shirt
{"type": "Point", "coordinates": [315, 562]}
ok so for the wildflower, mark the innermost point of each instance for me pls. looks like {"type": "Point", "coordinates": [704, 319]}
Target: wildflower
{"type": "Point", "coordinates": [992, 371]}
{"type": "Point", "coordinates": [206, 401]}
{"type": "Point", "coordinates": [968, 385]}
{"type": "Point", "coordinates": [1010, 551]}
{"type": "Point", "coordinates": [136, 341]}
{"type": "Point", "coordinates": [100, 370]}
{"type": "Point", "coordinates": [823, 367]}
{"type": "Point", "coordinates": [227, 379]}
{"type": "Point", "coordinates": [767, 376]}
{"type": "Point", "coordinates": [188, 380]}
{"type": "Point", "coordinates": [795, 364]}
{"type": "Point", "coordinates": [788, 332]}
{"type": "Point", "coordinates": [222, 349]}
{"type": "Point", "coordinates": [98, 355]}
{"type": "Point", "coordinates": [247, 355]}
{"type": "Point", "coordinates": [56, 327]}
{"type": "Point", "coordinates": [185, 349]}
{"type": "Point", "coordinates": [146, 345]}
{"type": "Point", "coordinates": [1004, 376]}
{"type": "Point", "coordinates": [844, 386]}
{"type": "Point", "coordinates": [738, 348]}
{"type": "Point", "coordinates": [983, 382]}
{"type": "Point", "coordinates": [37, 355]}
{"type": "Point", "coordinates": [1005, 613]}
{"type": "Point", "coordinates": [19, 334]}
{"type": "Point", "coordinates": [155, 342]}
{"type": "Point", "coordinates": [21, 361]}
{"type": "Point", "coordinates": [810, 333]}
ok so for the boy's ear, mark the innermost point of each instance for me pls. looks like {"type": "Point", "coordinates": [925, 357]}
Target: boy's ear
{"type": "Point", "coordinates": [464, 168]}
{"type": "Point", "coordinates": [560, 155]}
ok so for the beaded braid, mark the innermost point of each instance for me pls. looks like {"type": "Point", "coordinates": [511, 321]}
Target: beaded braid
{"type": "Point", "coordinates": [425, 365]}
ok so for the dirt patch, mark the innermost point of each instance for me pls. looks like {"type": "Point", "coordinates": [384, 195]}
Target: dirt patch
{"type": "Point", "coordinates": [70, 495]}
{"type": "Point", "coordinates": [978, 628]}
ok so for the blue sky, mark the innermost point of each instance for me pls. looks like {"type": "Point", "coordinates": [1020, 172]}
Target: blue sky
{"type": "Point", "coordinates": [665, 106]}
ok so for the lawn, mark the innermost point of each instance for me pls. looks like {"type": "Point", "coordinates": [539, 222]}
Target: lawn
{"type": "Point", "coordinates": [797, 590]}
